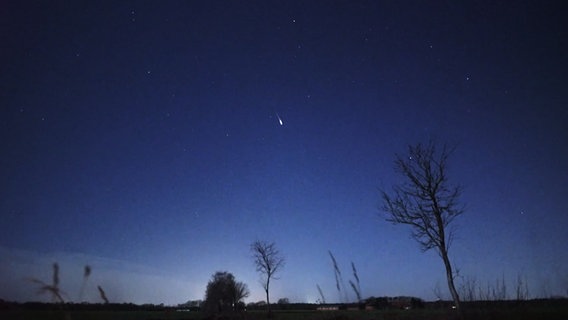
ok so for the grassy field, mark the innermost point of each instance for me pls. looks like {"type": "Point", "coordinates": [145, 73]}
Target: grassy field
{"type": "Point", "coordinates": [555, 313]}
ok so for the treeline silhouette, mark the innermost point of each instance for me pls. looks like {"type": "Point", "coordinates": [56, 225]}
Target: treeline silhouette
{"type": "Point", "coordinates": [380, 303]}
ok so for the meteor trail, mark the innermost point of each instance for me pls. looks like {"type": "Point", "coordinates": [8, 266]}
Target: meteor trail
{"type": "Point", "coordinates": [279, 119]}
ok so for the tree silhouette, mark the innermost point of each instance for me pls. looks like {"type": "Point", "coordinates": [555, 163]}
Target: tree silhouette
{"type": "Point", "coordinates": [283, 301]}
{"type": "Point", "coordinates": [426, 201]}
{"type": "Point", "coordinates": [268, 261]}
{"type": "Point", "coordinates": [224, 293]}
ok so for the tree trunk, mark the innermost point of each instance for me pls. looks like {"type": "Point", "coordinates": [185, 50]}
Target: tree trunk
{"type": "Point", "coordinates": [451, 286]}
{"type": "Point", "coordinates": [267, 301]}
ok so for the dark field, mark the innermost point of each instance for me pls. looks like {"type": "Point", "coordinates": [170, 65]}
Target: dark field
{"type": "Point", "coordinates": [556, 312]}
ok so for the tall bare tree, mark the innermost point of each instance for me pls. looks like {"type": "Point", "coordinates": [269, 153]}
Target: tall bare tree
{"type": "Point", "coordinates": [426, 201]}
{"type": "Point", "coordinates": [268, 261]}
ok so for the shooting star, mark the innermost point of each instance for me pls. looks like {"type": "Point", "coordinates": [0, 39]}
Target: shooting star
{"type": "Point", "coordinates": [279, 119]}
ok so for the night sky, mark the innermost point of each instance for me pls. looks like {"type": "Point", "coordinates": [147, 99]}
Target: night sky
{"type": "Point", "coordinates": [155, 141]}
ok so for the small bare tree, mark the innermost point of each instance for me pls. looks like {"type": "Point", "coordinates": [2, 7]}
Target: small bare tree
{"type": "Point", "coordinates": [268, 261]}
{"type": "Point", "coordinates": [426, 201]}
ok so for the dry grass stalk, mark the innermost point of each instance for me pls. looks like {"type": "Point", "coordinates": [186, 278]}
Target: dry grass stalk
{"type": "Point", "coordinates": [338, 278]}
{"type": "Point", "coordinates": [86, 274]}
{"type": "Point", "coordinates": [102, 294]}
{"type": "Point", "coordinates": [53, 289]}
{"type": "Point", "coordinates": [357, 288]}
{"type": "Point", "coordinates": [321, 294]}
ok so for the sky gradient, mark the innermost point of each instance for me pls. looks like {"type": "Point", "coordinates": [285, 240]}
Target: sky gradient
{"type": "Point", "coordinates": [144, 139]}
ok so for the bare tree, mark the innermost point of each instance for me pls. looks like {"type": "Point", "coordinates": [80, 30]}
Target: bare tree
{"type": "Point", "coordinates": [268, 261]}
{"type": "Point", "coordinates": [238, 291]}
{"type": "Point", "coordinates": [426, 201]}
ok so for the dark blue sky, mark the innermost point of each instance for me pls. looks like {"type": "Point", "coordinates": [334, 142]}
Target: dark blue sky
{"type": "Point", "coordinates": [143, 138]}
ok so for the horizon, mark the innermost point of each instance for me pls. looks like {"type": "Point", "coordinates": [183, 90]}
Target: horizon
{"type": "Point", "coordinates": [144, 278]}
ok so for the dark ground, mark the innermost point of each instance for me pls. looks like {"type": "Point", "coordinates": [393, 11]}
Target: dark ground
{"type": "Point", "coordinates": [505, 310]}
